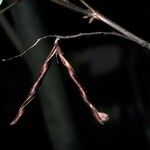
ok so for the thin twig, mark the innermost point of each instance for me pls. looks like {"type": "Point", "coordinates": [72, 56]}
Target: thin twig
{"type": "Point", "coordinates": [10, 6]}
{"type": "Point", "coordinates": [37, 84]}
{"type": "Point", "coordinates": [67, 37]}
{"type": "Point", "coordinates": [99, 16]}
{"type": "Point", "coordinates": [94, 14]}
{"type": "Point", "coordinates": [91, 14]}
{"type": "Point", "coordinates": [101, 117]}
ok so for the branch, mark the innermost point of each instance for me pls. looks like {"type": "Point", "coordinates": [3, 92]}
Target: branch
{"type": "Point", "coordinates": [101, 117]}
{"type": "Point", "coordinates": [94, 14]}
{"type": "Point", "coordinates": [67, 37]}
{"type": "Point", "coordinates": [10, 6]}
{"type": "Point", "coordinates": [36, 85]}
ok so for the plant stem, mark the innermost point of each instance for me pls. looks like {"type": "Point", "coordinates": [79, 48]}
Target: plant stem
{"type": "Point", "coordinates": [94, 14]}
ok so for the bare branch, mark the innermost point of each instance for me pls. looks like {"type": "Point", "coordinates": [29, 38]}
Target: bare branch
{"type": "Point", "coordinates": [94, 14]}
{"type": "Point", "coordinates": [36, 85]}
{"type": "Point", "coordinates": [97, 15]}
{"type": "Point", "coordinates": [10, 6]}
{"type": "Point", "coordinates": [67, 37]}
{"type": "Point", "coordinates": [101, 117]}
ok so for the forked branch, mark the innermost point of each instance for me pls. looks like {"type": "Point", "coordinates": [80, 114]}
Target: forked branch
{"type": "Point", "coordinates": [56, 50]}
{"type": "Point", "coordinates": [93, 14]}
{"type": "Point", "coordinates": [99, 116]}
{"type": "Point", "coordinates": [36, 85]}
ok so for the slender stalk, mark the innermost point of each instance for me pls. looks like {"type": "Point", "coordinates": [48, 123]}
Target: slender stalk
{"type": "Point", "coordinates": [67, 37]}
{"type": "Point", "coordinates": [94, 14]}
{"type": "Point", "coordinates": [101, 117]}
{"type": "Point", "coordinates": [99, 16]}
{"type": "Point", "coordinates": [10, 6]}
{"type": "Point", "coordinates": [36, 85]}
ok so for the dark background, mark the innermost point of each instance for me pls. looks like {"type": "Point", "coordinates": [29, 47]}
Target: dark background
{"type": "Point", "coordinates": [114, 72]}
